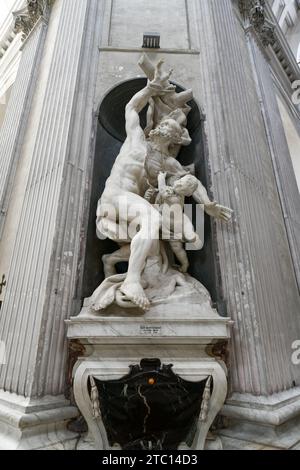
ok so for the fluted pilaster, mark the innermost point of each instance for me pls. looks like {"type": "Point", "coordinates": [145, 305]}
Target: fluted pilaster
{"type": "Point", "coordinates": [256, 267]}
{"type": "Point", "coordinates": [282, 163]}
{"type": "Point", "coordinates": [41, 280]}
{"type": "Point", "coordinates": [15, 121]}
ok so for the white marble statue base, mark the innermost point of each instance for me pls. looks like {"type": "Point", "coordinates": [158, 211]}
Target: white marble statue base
{"type": "Point", "coordinates": [180, 322]}
{"type": "Point", "coordinates": [113, 343]}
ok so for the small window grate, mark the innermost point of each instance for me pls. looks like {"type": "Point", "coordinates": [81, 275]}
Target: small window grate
{"type": "Point", "coordinates": [151, 41]}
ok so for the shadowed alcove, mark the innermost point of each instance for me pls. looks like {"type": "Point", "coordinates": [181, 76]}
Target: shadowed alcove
{"type": "Point", "coordinates": [110, 137]}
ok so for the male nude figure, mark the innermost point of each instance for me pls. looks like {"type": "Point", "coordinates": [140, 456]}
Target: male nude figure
{"type": "Point", "coordinates": [127, 184]}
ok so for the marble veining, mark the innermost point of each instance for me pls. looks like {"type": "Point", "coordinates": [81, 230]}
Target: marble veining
{"type": "Point", "coordinates": [150, 408]}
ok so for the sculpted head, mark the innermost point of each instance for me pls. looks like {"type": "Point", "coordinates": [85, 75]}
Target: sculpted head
{"type": "Point", "coordinates": [170, 131]}
{"type": "Point", "coordinates": [186, 186]}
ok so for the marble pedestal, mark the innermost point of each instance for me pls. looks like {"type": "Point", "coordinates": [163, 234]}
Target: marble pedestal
{"type": "Point", "coordinates": [179, 337]}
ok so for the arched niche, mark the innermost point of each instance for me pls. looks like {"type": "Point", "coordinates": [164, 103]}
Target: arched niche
{"type": "Point", "coordinates": [110, 136]}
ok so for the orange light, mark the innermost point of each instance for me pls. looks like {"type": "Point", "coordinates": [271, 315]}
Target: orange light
{"type": "Point", "coordinates": [151, 381]}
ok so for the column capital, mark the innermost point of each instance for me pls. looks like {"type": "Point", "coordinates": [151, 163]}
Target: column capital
{"type": "Point", "coordinates": [27, 17]}
{"type": "Point", "coordinates": [254, 11]}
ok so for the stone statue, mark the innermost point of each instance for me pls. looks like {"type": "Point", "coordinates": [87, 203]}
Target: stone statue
{"type": "Point", "coordinates": [155, 310]}
{"type": "Point", "coordinates": [145, 177]}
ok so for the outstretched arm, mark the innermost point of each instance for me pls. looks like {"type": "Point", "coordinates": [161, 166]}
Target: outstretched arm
{"type": "Point", "coordinates": [159, 86]}
{"type": "Point", "coordinates": [174, 100]}
{"type": "Point", "coordinates": [211, 208]}
{"type": "Point", "coordinates": [200, 195]}
{"type": "Point", "coordinates": [133, 108]}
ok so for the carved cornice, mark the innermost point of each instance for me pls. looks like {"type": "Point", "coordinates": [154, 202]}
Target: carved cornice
{"type": "Point", "coordinates": [26, 18]}
{"type": "Point", "coordinates": [255, 12]}
{"type": "Point", "coordinates": [258, 16]}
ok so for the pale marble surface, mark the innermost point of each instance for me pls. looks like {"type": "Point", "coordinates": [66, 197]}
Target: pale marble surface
{"type": "Point", "coordinates": [152, 331]}
{"type": "Point", "coordinates": [35, 423]}
{"type": "Point", "coordinates": [177, 336]}
{"type": "Point", "coordinates": [262, 422]}
{"type": "Point", "coordinates": [154, 310]}
{"type": "Point", "coordinates": [135, 193]}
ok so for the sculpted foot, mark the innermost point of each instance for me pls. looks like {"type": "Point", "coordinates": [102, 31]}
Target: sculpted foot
{"type": "Point", "coordinates": [135, 293]}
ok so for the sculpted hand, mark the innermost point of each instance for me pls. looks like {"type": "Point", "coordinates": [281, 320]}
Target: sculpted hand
{"type": "Point", "coordinates": [219, 212]}
{"type": "Point", "coordinates": [161, 79]}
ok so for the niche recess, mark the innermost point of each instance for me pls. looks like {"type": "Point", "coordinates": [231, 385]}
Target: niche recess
{"type": "Point", "coordinates": [110, 136]}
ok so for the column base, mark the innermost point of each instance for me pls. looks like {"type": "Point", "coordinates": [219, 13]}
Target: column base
{"type": "Point", "coordinates": [36, 424]}
{"type": "Point", "coordinates": [262, 423]}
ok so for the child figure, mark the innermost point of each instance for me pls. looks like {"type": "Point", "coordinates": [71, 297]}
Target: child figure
{"type": "Point", "coordinates": [181, 230]}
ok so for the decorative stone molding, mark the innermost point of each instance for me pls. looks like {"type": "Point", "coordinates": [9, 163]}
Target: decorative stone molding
{"type": "Point", "coordinates": [181, 340]}
{"type": "Point", "coordinates": [255, 12]}
{"type": "Point", "coordinates": [259, 16]}
{"type": "Point", "coordinates": [27, 17]}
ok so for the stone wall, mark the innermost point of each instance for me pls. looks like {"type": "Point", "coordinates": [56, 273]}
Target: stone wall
{"type": "Point", "coordinates": [87, 48]}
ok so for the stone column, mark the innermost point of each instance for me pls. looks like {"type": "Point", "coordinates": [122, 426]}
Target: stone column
{"type": "Point", "coordinates": [282, 163]}
{"type": "Point", "coordinates": [15, 121]}
{"type": "Point", "coordinates": [257, 272]}
{"type": "Point", "coordinates": [41, 282]}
